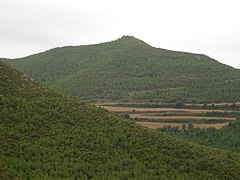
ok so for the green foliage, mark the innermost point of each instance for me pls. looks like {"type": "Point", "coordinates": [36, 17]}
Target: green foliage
{"type": "Point", "coordinates": [227, 137]}
{"type": "Point", "coordinates": [14, 83]}
{"type": "Point", "coordinates": [51, 136]}
{"type": "Point", "coordinates": [128, 69]}
{"type": "Point", "coordinates": [181, 105]}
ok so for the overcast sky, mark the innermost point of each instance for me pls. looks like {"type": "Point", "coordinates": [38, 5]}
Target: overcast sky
{"type": "Point", "coordinates": [209, 27]}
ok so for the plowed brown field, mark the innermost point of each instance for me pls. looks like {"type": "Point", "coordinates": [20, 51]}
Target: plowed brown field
{"type": "Point", "coordinates": [155, 125]}
{"type": "Point", "coordinates": [173, 114]}
{"type": "Point", "coordinates": [142, 116]}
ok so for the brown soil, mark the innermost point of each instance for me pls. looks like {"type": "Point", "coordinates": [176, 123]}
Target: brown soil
{"type": "Point", "coordinates": [155, 125]}
{"type": "Point", "coordinates": [142, 116]}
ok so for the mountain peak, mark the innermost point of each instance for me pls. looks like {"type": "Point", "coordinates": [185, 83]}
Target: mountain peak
{"type": "Point", "coordinates": [130, 69]}
{"type": "Point", "coordinates": [131, 40]}
{"type": "Point", "coordinates": [127, 37]}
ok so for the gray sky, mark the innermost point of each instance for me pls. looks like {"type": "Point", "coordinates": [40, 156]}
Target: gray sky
{"type": "Point", "coordinates": [209, 27]}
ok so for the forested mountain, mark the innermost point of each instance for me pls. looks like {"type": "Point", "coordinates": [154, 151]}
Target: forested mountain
{"type": "Point", "coordinates": [46, 135]}
{"type": "Point", "coordinates": [129, 69]}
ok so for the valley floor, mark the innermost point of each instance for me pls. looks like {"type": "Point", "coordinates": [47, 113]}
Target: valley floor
{"type": "Point", "coordinates": [160, 115]}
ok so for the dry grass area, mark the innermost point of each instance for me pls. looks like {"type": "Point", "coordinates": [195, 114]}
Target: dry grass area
{"type": "Point", "coordinates": [173, 114]}
{"type": "Point", "coordinates": [142, 116]}
{"type": "Point", "coordinates": [204, 126]}
{"type": "Point", "coordinates": [155, 125]}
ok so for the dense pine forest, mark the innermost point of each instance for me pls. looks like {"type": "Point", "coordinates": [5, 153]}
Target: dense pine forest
{"type": "Point", "coordinates": [47, 135]}
{"type": "Point", "coordinates": [131, 70]}
{"type": "Point", "coordinates": [224, 138]}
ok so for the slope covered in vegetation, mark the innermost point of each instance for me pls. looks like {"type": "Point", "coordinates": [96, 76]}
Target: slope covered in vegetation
{"type": "Point", "coordinates": [47, 135]}
{"type": "Point", "coordinates": [129, 69]}
{"type": "Point", "coordinates": [227, 137]}
{"type": "Point", "coordinates": [16, 84]}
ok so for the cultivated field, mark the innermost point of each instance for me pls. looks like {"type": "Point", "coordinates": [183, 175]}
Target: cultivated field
{"type": "Point", "coordinates": [155, 125]}
{"type": "Point", "coordinates": [176, 117]}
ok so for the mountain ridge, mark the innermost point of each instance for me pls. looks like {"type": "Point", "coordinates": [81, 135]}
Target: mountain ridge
{"type": "Point", "coordinates": [131, 70]}
{"type": "Point", "coordinates": [125, 38]}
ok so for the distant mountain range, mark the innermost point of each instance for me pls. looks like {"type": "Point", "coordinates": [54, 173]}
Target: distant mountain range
{"type": "Point", "coordinates": [129, 69]}
{"type": "Point", "coordinates": [47, 135]}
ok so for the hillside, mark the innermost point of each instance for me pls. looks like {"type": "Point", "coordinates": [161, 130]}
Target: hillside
{"type": "Point", "coordinates": [224, 138]}
{"type": "Point", "coordinates": [129, 69]}
{"type": "Point", "coordinates": [14, 83]}
{"type": "Point", "coordinates": [46, 135]}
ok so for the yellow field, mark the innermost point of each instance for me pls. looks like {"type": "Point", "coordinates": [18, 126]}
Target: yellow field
{"type": "Point", "coordinates": [142, 116]}
{"type": "Point", "coordinates": [155, 125]}
{"type": "Point", "coordinates": [177, 113]}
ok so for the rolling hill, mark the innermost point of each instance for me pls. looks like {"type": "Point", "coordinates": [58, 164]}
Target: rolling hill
{"type": "Point", "coordinates": [47, 135]}
{"type": "Point", "coordinates": [131, 70]}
